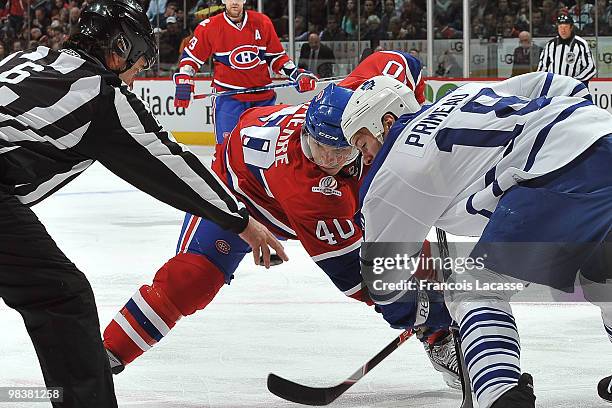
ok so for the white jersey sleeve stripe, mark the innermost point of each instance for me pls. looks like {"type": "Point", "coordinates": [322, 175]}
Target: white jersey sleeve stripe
{"type": "Point", "coordinates": [131, 333]}
{"type": "Point", "coordinates": [339, 252]}
{"type": "Point", "coordinates": [175, 163]}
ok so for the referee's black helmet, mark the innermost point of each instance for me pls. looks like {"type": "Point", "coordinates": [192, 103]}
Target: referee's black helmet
{"type": "Point", "coordinates": [120, 26]}
{"type": "Point", "coordinates": [565, 19]}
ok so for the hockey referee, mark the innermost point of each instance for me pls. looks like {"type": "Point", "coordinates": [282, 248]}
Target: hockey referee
{"type": "Point", "coordinates": [59, 112]}
{"type": "Point", "coordinates": [568, 54]}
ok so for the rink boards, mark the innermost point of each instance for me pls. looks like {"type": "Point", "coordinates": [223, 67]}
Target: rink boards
{"type": "Point", "coordinates": [194, 125]}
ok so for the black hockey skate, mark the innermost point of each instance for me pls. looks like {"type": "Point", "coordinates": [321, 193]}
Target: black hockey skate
{"type": "Point", "coordinates": [520, 396]}
{"type": "Point", "coordinates": [440, 349]}
{"type": "Point", "coordinates": [116, 365]}
{"type": "Point", "coordinates": [604, 388]}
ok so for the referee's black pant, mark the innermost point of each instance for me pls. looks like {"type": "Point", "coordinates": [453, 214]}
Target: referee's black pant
{"type": "Point", "coordinates": [58, 308]}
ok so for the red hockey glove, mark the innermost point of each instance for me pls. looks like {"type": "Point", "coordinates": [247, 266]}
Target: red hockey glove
{"type": "Point", "coordinates": [184, 88]}
{"type": "Point", "coordinates": [305, 80]}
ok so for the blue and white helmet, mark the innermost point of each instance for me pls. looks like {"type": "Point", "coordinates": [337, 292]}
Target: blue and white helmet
{"type": "Point", "coordinates": [323, 119]}
{"type": "Point", "coordinates": [325, 114]}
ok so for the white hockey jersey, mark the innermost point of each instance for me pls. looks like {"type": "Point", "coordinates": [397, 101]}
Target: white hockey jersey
{"type": "Point", "coordinates": [448, 164]}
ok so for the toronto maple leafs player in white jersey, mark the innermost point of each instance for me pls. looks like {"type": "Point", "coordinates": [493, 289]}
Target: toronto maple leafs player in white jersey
{"type": "Point", "coordinates": [526, 161]}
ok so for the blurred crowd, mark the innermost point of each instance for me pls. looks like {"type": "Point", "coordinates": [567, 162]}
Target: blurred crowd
{"type": "Point", "coordinates": [28, 23]}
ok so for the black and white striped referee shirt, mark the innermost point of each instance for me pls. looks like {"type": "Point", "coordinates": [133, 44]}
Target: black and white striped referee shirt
{"type": "Point", "coordinates": [61, 111]}
{"type": "Point", "coordinates": [571, 57]}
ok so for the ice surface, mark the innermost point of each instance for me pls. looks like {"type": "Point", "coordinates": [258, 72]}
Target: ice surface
{"type": "Point", "coordinates": [289, 320]}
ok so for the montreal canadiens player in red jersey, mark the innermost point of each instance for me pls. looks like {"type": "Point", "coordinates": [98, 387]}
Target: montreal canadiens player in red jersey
{"type": "Point", "coordinates": [244, 47]}
{"type": "Point", "coordinates": [300, 180]}
{"type": "Point", "coordinates": [396, 64]}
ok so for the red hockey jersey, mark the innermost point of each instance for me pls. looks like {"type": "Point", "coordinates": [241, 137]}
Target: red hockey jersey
{"type": "Point", "coordinates": [241, 55]}
{"type": "Point", "coordinates": [263, 163]}
{"type": "Point", "coordinates": [396, 64]}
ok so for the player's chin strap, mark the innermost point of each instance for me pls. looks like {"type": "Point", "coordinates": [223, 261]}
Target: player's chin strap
{"type": "Point", "coordinates": [304, 135]}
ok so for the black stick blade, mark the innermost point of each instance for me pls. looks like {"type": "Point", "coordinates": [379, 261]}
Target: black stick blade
{"type": "Point", "coordinates": [303, 394]}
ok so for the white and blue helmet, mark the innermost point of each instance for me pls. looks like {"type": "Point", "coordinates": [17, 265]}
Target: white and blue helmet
{"type": "Point", "coordinates": [372, 101]}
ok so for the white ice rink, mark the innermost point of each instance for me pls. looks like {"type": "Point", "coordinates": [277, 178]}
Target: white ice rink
{"type": "Point", "coordinates": [289, 320]}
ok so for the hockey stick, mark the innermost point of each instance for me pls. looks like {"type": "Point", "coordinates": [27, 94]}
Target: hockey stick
{"type": "Point", "coordinates": [303, 394]}
{"type": "Point", "coordinates": [466, 384]}
{"type": "Point", "coordinates": [444, 252]}
{"type": "Point", "coordinates": [258, 89]}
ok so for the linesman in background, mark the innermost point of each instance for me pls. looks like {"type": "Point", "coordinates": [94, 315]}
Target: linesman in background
{"type": "Point", "coordinates": [568, 54]}
{"type": "Point", "coordinates": [59, 112]}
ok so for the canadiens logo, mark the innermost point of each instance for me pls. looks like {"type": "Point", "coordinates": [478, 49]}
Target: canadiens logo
{"type": "Point", "coordinates": [327, 186]}
{"type": "Point", "coordinates": [223, 246]}
{"type": "Point", "coordinates": [244, 57]}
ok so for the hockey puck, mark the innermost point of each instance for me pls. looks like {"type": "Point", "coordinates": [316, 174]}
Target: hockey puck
{"type": "Point", "coordinates": [604, 388]}
{"type": "Point", "coordinates": [274, 260]}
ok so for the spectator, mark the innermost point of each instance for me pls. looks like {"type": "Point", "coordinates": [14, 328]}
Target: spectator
{"type": "Point", "coordinates": [350, 20]}
{"type": "Point", "coordinates": [337, 10]}
{"type": "Point", "coordinates": [541, 28]}
{"type": "Point", "coordinates": [489, 29]}
{"type": "Point", "coordinates": [605, 18]}
{"type": "Point", "coordinates": [448, 66]}
{"type": "Point", "coordinates": [16, 14]}
{"type": "Point", "coordinates": [503, 9]}
{"type": "Point", "coordinates": [388, 14]}
{"type": "Point", "coordinates": [581, 15]}
{"type": "Point", "coordinates": [3, 52]}
{"type": "Point", "coordinates": [40, 18]}
{"type": "Point", "coordinates": [508, 28]}
{"type": "Point", "coordinates": [170, 41]}
{"type": "Point", "coordinates": [64, 17]}
{"type": "Point", "coordinates": [549, 12]}
{"type": "Point", "coordinates": [450, 14]}
{"type": "Point", "coordinates": [316, 13]}
{"type": "Point", "coordinates": [57, 6]}
{"type": "Point", "coordinates": [299, 27]}
{"type": "Point", "coordinates": [333, 32]}
{"type": "Point", "coordinates": [369, 9]}
{"type": "Point", "coordinates": [414, 21]}
{"type": "Point", "coordinates": [35, 34]}
{"type": "Point", "coordinates": [316, 57]}
{"type": "Point", "coordinates": [75, 14]}
{"type": "Point", "coordinates": [441, 7]}
{"type": "Point", "coordinates": [156, 8]}
{"type": "Point", "coordinates": [17, 45]}
{"type": "Point", "coordinates": [416, 54]}
{"type": "Point", "coordinates": [161, 18]}
{"type": "Point", "coordinates": [477, 28]}
{"type": "Point", "coordinates": [480, 8]}
{"type": "Point", "coordinates": [526, 55]}
{"type": "Point", "coordinates": [396, 32]}
{"type": "Point", "coordinates": [521, 22]}
{"type": "Point", "coordinates": [373, 32]}
{"type": "Point", "coordinates": [568, 54]}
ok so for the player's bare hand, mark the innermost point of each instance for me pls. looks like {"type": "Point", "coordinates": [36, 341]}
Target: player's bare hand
{"type": "Point", "coordinates": [261, 240]}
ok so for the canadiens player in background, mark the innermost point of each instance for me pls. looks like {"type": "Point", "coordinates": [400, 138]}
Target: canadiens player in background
{"type": "Point", "coordinates": [297, 175]}
{"type": "Point", "coordinates": [245, 48]}
{"type": "Point", "coordinates": [62, 111]}
{"type": "Point", "coordinates": [526, 165]}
